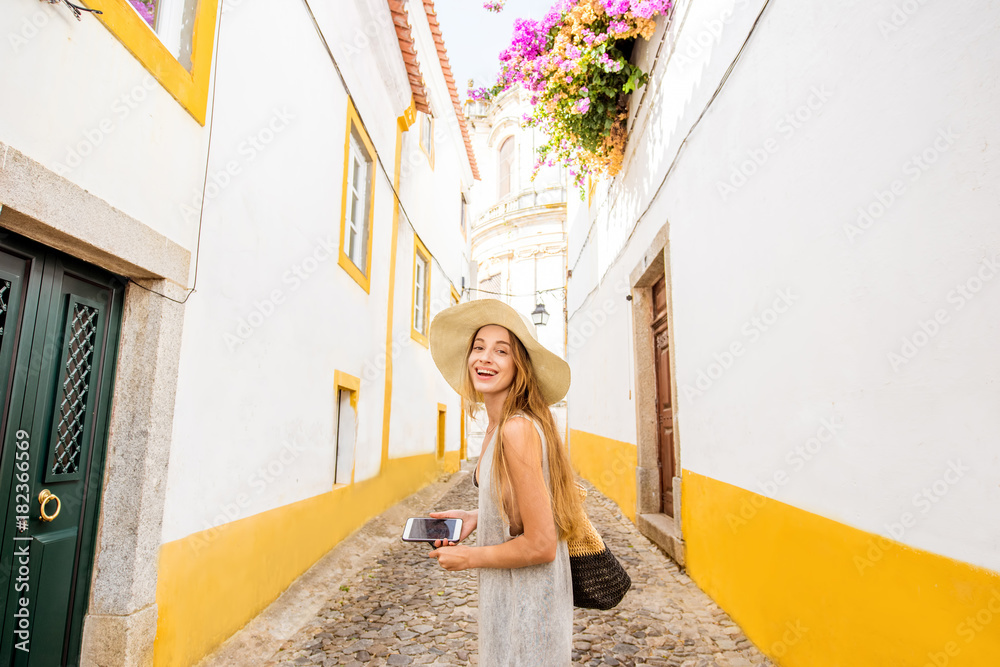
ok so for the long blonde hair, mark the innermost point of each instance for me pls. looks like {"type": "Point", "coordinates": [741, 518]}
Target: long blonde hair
{"type": "Point", "coordinates": [525, 395]}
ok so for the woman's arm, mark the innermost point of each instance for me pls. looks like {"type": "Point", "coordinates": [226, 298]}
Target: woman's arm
{"type": "Point", "coordinates": [538, 542]}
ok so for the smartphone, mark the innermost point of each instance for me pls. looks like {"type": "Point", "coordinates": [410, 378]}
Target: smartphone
{"type": "Point", "coordinates": [422, 529]}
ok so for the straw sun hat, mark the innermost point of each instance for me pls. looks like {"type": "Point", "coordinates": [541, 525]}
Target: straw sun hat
{"type": "Point", "coordinates": [452, 329]}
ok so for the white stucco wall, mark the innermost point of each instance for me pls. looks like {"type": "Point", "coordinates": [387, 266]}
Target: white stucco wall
{"type": "Point", "coordinates": [829, 110]}
{"type": "Point", "coordinates": [275, 315]}
{"type": "Point", "coordinates": [78, 102]}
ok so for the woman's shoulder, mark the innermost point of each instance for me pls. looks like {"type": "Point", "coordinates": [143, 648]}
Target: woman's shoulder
{"type": "Point", "coordinates": [523, 427]}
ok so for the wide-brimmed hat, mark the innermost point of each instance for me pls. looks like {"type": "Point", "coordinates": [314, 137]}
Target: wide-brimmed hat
{"type": "Point", "coordinates": [452, 329]}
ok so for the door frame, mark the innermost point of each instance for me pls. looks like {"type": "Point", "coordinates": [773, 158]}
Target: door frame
{"type": "Point", "coordinates": [120, 624]}
{"type": "Point", "coordinates": [662, 529]}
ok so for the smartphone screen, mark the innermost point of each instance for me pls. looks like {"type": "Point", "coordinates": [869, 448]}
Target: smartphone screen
{"type": "Point", "coordinates": [420, 529]}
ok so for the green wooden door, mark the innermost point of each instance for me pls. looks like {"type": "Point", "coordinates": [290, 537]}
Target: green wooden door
{"type": "Point", "coordinates": [59, 325]}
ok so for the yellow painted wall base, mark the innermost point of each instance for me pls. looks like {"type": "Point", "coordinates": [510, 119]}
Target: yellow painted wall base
{"type": "Point", "coordinates": [210, 584]}
{"type": "Point", "coordinates": [451, 461]}
{"type": "Point", "coordinates": [812, 592]}
{"type": "Point", "coordinates": [608, 464]}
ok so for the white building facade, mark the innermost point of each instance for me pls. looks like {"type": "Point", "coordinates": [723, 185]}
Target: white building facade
{"type": "Point", "coordinates": [518, 242]}
{"type": "Point", "coordinates": [253, 241]}
{"type": "Point", "coordinates": [787, 376]}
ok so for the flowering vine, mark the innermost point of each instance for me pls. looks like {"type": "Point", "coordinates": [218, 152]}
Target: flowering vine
{"type": "Point", "coordinates": [574, 65]}
{"type": "Point", "coordinates": [494, 5]}
{"type": "Point", "coordinates": [146, 9]}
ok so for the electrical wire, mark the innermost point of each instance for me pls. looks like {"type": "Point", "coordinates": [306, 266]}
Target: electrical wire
{"type": "Point", "coordinates": [677, 155]}
{"type": "Point", "coordinates": [378, 158]}
{"type": "Point", "coordinates": [204, 185]}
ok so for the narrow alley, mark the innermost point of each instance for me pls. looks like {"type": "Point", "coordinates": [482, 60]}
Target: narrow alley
{"type": "Point", "coordinates": [399, 608]}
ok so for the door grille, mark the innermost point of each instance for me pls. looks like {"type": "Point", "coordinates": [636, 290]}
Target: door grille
{"type": "Point", "coordinates": [72, 408]}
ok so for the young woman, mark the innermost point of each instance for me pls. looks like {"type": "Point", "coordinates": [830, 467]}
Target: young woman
{"type": "Point", "coordinates": [528, 502]}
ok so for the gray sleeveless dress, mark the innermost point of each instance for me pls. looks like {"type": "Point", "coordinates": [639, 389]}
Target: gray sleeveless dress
{"type": "Point", "coordinates": [525, 613]}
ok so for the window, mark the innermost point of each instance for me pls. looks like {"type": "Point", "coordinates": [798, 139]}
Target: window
{"type": "Point", "coordinates": [505, 166]}
{"type": "Point", "coordinates": [173, 39]}
{"type": "Point", "coordinates": [427, 136]}
{"type": "Point", "coordinates": [463, 213]}
{"type": "Point", "coordinates": [442, 425]}
{"type": "Point", "coordinates": [346, 388]}
{"type": "Point", "coordinates": [421, 291]}
{"type": "Point", "coordinates": [172, 21]}
{"type": "Point", "coordinates": [357, 203]}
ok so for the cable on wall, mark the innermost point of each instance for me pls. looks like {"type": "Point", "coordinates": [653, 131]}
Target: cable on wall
{"type": "Point", "coordinates": [378, 158]}
{"type": "Point", "coordinates": [680, 148]}
{"type": "Point", "coordinates": [204, 185]}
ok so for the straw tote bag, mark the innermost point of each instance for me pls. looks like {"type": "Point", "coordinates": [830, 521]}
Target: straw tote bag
{"type": "Point", "coordinates": [599, 580]}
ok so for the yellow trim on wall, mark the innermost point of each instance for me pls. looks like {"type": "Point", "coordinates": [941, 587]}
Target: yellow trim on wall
{"type": "Point", "coordinates": [403, 124]}
{"type": "Point", "coordinates": [451, 462]}
{"type": "Point", "coordinates": [342, 380]}
{"type": "Point", "coordinates": [420, 251]}
{"type": "Point", "coordinates": [608, 464]}
{"type": "Point", "coordinates": [211, 583]}
{"type": "Point", "coordinates": [812, 592]}
{"type": "Point", "coordinates": [346, 381]}
{"type": "Point", "coordinates": [362, 277]}
{"type": "Point", "coordinates": [190, 89]}
{"type": "Point", "coordinates": [442, 430]}
{"type": "Point", "coordinates": [429, 149]}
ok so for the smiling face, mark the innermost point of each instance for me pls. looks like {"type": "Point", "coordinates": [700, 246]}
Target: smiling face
{"type": "Point", "coordinates": [491, 364]}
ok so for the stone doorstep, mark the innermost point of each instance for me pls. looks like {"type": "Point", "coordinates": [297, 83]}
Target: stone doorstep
{"type": "Point", "coordinates": [663, 532]}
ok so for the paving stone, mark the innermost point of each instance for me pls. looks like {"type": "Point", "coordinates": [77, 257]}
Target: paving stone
{"type": "Point", "coordinates": [403, 609]}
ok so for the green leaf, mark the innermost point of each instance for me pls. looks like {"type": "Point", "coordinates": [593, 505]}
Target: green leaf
{"type": "Point", "coordinates": [634, 81]}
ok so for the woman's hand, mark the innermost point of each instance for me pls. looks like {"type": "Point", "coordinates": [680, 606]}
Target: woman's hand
{"type": "Point", "coordinates": [469, 522]}
{"type": "Point", "coordinates": [453, 558]}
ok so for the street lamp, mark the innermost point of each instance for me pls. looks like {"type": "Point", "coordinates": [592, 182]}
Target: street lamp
{"type": "Point", "coordinates": [540, 316]}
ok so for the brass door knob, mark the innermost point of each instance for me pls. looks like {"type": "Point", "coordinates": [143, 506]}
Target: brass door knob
{"type": "Point", "coordinates": [44, 498]}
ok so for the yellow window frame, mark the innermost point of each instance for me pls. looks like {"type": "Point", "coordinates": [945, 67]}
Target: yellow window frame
{"type": "Point", "coordinates": [442, 430]}
{"type": "Point", "coordinates": [346, 382]}
{"type": "Point", "coordinates": [420, 251]}
{"type": "Point", "coordinates": [427, 136]}
{"type": "Point", "coordinates": [455, 296]}
{"type": "Point", "coordinates": [363, 278]}
{"type": "Point", "coordinates": [190, 89]}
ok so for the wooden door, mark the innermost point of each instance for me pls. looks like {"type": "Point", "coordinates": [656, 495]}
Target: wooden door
{"type": "Point", "coordinates": [664, 398]}
{"type": "Point", "coordinates": [58, 345]}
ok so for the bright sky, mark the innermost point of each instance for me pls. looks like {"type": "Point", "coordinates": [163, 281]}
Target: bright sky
{"type": "Point", "coordinates": [475, 37]}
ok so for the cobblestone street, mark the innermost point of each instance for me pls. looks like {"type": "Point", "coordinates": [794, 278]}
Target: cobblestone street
{"type": "Point", "coordinates": [402, 609]}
